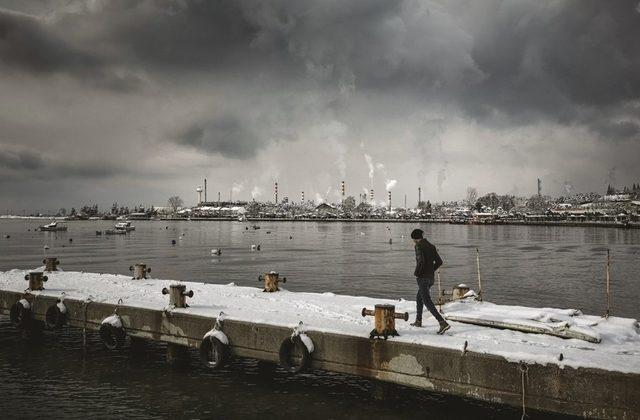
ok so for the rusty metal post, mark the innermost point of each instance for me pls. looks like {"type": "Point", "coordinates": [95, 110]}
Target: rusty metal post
{"type": "Point", "coordinates": [479, 278]}
{"type": "Point", "coordinates": [271, 281]}
{"type": "Point", "coordinates": [51, 264]}
{"type": "Point", "coordinates": [385, 320]}
{"type": "Point", "coordinates": [608, 278]}
{"type": "Point", "coordinates": [178, 295]}
{"type": "Point", "coordinates": [440, 294]}
{"type": "Point", "coordinates": [36, 280]}
{"type": "Point", "coordinates": [140, 271]}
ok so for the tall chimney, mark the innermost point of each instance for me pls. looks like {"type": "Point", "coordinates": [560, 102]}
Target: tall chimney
{"type": "Point", "coordinates": [539, 187]}
{"type": "Point", "coordinates": [371, 194]}
{"type": "Point", "coordinates": [276, 192]}
{"type": "Point", "coordinates": [389, 200]}
{"type": "Point", "coordinates": [343, 191]}
{"type": "Point", "coordinates": [302, 197]}
{"type": "Point", "coordinates": [205, 190]}
{"type": "Point", "coordinates": [419, 196]}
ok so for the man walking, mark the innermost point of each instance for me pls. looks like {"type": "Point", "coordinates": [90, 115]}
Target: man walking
{"type": "Point", "coordinates": [427, 262]}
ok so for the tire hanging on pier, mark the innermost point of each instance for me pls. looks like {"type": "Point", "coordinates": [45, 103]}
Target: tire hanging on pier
{"type": "Point", "coordinates": [286, 352]}
{"type": "Point", "coordinates": [20, 314]}
{"type": "Point", "coordinates": [213, 352]}
{"type": "Point", "coordinates": [112, 333]}
{"type": "Point", "coordinates": [56, 316]}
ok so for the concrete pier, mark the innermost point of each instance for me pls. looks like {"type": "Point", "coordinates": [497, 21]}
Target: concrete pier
{"type": "Point", "coordinates": [583, 392]}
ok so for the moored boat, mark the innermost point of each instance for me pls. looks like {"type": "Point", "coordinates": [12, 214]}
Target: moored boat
{"type": "Point", "coordinates": [125, 226]}
{"type": "Point", "coordinates": [53, 227]}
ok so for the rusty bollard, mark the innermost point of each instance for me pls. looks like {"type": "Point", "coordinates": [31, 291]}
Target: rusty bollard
{"type": "Point", "coordinates": [36, 280]}
{"type": "Point", "coordinates": [271, 281]}
{"type": "Point", "coordinates": [140, 271]}
{"type": "Point", "coordinates": [456, 293]}
{"type": "Point", "coordinates": [385, 320]}
{"type": "Point", "coordinates": [178, 295]}
{"type": "Point", "coordinates": [51, 264]}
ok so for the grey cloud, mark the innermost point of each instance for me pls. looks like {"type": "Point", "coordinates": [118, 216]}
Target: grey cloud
{"type": "Point", "coordinates": [30, 44]}
{"type": "Point", "coordinates": [33, 165]}
{"type": "Point", "coordinates": [236, 76]}
{"type": "Point", "coordinates": [226, 135]}
{"type": "Point", "coordinates": [20, 160]}
{"type": "Point", "coordinates": [621, 130]}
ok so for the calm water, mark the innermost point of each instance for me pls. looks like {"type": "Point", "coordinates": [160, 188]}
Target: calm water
{"type": "Point", "coordinates": [537, 266]}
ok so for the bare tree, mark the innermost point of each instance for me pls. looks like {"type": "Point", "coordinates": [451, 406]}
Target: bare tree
{"type": "Point", "coordinates": [472, 196]}
{"type": "Point", "coordinates": [175, 203]}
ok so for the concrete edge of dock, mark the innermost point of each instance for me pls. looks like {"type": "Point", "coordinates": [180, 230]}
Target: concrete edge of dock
{"type": "Point", "coordinates": [582, 392]}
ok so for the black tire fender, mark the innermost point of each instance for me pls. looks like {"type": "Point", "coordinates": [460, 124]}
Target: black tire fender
{"type": "Point", "coordinates": [209, 348]}
{"type": "Point", "coordinates": [20, 315]}
{"type": "Point", "coordinates": [286, 348]}
{"type": "Point", "coordinates": [54, 318]}
{"type": "Point", "coordinates": [112, 337]}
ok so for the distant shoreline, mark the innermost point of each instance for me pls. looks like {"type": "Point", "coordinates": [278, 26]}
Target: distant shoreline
{"type": "Point", "coordinates": [630, 225]}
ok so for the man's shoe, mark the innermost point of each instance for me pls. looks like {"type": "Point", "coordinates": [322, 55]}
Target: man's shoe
{"type": "Point", "coordinates": [416, 324]}
{"type": "Point", "coordinates": [443, 327]}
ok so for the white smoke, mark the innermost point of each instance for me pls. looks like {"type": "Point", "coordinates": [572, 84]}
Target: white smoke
{"type": "Point", "coordinates": [237, 188]}
{"type": "Point", "coordinates": [256, 192]}
{"type": "Point", "coordinates": [390, 183]}
{"type": "Point", "coordinates": [568, 187]}
{"type": "Point", "coordinates": [371, 167]}
{"type": "Point", "coordinates": [442, 176]}
{"type": "Point", "coordinates": [319, 199]}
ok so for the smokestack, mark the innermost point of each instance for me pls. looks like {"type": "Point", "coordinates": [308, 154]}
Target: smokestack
{"type": "Point", "coordinates": [389, 200]}
{"type": "Point", "coordinates": [419, 196]}
{"type": "Point", "coordinates": [343, 191]}
{"type": "Point", "coordinates": [276, 191]}
{"type": "Point", "coordinates": [539, 187]}
{"type": "Point", "coordinates": [218, 198]}
{"type": "Point", "coordinates": [205, 190]}
{"type": "Point", "coordinates": [303, 197]}
{"type": "Point", "coordinates": [371, 194]}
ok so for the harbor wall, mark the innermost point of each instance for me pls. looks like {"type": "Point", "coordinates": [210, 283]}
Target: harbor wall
{"type": "Point", "coordinates": [581, 392]}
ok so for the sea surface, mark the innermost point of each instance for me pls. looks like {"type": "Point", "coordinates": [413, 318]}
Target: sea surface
{"type": "Point", "coordinates": [522, 265]}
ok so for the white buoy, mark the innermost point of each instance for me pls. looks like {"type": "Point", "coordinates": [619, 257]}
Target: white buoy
{"type": "Point", "coordinates": [362, 233]}
{"type": "Point", "coordinates": [253, 247]}
{"type": "Point", "coordinates": [216, 251]}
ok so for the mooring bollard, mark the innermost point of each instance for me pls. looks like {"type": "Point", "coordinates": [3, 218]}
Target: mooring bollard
{"type": "Point", "coordinates": [458, 292]}
{"type": "Point", "coordinates": [385, 320]}
{"type": "Point", "coordinates": [51, 264]}
{"type": "Point", "coordinates": [140, 271]}
{"type": "Point", "coordinates": [36, 280]}
{"type": "Point", "coordinates": [178, 295]}
{"type": "Point", "coordinates": [271, 281]}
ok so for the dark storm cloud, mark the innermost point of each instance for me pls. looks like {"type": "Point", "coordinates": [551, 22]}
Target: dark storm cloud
{"type": "Point", "coordinates": [526, 59]}
{"type": "Point", "coordinates": [32, 165]}
{"type": "Point", "coordinates": [30, 44]}
{"type": "Point", "coordinates": [226, 135]}
{"type": "Point", "coordinates": [237, 76]}
{"type": "Point", "coordinates": [20, 160]}
{"type": "Point", "coordinates": [622, 130]}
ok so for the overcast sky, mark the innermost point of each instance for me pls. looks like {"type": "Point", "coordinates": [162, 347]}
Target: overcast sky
{"type": "Point", "coordinates": [136, 101]}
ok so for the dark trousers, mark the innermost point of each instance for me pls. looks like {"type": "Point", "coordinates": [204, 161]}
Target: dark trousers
{"type": "Point", "coordinates": [424, 298]}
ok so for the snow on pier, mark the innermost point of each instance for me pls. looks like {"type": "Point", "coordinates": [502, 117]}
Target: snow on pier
{"type": "Point", "coordinates": [618, 348]}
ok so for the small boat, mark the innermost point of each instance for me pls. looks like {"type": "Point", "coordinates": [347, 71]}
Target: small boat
{"type": "Point", "coordinates": [53, 227]}
{"type": "Point", "coordinates": [125, 226]}
{"type": "Point", "coordinates": [115, 232]}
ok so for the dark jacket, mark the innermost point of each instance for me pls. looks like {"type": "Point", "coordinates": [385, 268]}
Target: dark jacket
{"type": "Point", "coordinates": [427, 260]}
